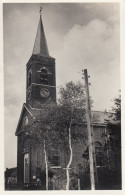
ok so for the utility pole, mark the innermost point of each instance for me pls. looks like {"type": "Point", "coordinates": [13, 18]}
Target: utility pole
{"type": "Point", "coordinates": [92, 159]}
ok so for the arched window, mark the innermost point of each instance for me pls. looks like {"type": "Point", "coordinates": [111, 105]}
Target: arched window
{"type": "Point", "coordinates": [26, 121]}
{"type": "Point", "coordinates": [98, 153]}
{"type": "Point", "coordinates": [26, 168]}
{"type": "Point", "coordinates": [29, 78]}
{"type": "Point", "coordinates": [44, 76]}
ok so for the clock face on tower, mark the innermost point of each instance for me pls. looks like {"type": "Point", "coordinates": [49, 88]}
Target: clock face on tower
{"type": "Point", "coordinates": [44, 93]}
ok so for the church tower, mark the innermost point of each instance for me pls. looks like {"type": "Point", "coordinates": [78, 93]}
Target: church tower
{"type": "Point", "coordinates": [41, 82]}
{"type": "Point", "coordinates": [40, 88]}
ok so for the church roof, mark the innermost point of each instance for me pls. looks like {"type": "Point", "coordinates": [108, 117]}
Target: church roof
{"type": "Point", "coordinates": [98, 118]}
{"type": "Point", "coordinates": [40, 45]}
{"type": "Point", "coordinates": [101, 118]}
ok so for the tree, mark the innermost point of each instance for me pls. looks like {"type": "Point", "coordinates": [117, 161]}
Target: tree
{"type": "Point", "coordinates": [42, 130]}
{"type": "Point", "coordinates": [114, 127]}
{"type": "Point", "coordinates": [72, 111]}
{"type": "Point", "coordinates": [55, 123]}
{"type": "Point", "coordinates": [111, 172]}
{"type": "Point", "coordinates": [114, 141]}
{"type": "Point", "coordinates": [117, 110]}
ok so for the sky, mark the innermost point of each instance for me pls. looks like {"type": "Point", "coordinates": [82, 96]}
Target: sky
{"type": "Point", "coordinates": [79, 36]}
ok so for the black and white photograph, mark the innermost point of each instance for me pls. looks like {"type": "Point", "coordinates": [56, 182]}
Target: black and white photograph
{"type": "Point", "coordinates": [62, 96]}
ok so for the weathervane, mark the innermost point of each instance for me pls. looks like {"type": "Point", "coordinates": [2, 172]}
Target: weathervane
{"type": "Point", "coordinates": [40, 10]}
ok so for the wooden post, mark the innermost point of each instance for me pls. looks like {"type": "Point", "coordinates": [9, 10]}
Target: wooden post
{"type": "Point", "coordinates": [78, 184]}
{"type": "Point", "coordinates": [53, 183]}
{"type": "Point", "coordinates": [90, 133]}
{"type": "Point", "coordinates": [46, 162]}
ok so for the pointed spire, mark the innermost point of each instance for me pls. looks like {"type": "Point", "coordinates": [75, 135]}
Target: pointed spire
{"type": "Point", "coordinates": [40, 45]}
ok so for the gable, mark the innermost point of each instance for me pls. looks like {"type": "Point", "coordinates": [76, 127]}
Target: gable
{"type": "Point", "coordinates": [24, 113]}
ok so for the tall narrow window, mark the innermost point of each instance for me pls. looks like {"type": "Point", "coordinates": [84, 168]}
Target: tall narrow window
{"type": "Point", "coordinates": [29, 78]}
{"type": "Point", "coordinates": [53, 157]}
{"type": "Point", "coordinates": [26, 168]}
{"type": "Point", "coordinates": [44, 76]}
{"type": "Point", "coordinates": [98, 152]}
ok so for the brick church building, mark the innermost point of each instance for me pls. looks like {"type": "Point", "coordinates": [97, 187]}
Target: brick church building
{"type": "Point", "coordinates": [40, 87]}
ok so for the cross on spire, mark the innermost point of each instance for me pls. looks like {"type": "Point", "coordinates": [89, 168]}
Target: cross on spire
{"type": "Point", "coordinates": [40, 45]}
{"type": "Point", "coordinates": [40, 11]}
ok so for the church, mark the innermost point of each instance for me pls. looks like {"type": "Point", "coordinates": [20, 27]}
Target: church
{"type": "Point", "coordinates": [41, 87]}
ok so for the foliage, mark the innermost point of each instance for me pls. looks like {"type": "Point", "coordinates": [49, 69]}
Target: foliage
{"type": "Point", "coordinates": [43, 127]}
{"type": "Point", "coordinates": [53, 124]}
{"type": "Point", "coordinates": [113, 147]}
{"type": "Point", "coordinates": [114, 128]}
{"type": "Point", "coordinates": [73, 95]}
{"type": "Point", "coordinates": [72, 112]}
{"type": "Point", "coordinates": [83, 173]}
{"type": "Point", "coordinates": [117, 109]}
{"type": "Point", "coordinates": [109, 173]}
{"type": "Point", "coordinates": [71, 106]}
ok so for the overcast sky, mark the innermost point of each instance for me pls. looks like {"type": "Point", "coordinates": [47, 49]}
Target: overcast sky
{"type": "Point", "coordinates": [79, 36]}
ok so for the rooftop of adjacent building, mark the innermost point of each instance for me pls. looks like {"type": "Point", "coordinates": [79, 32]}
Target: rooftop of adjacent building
{"type": "Point", "coordinates": [11, 172]}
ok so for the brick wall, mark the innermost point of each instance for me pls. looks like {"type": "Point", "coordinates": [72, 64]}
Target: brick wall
{"type": "Point", "coordinates": [37, 157]}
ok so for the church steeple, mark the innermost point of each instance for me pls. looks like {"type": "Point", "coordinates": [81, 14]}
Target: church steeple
{"type": "Point", "coordinates": [41, 78]}
{"type": "Point", "coordinates": [40, 45]}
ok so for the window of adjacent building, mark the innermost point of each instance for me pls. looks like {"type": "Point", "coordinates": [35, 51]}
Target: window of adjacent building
{"type": "Point", "coordinates": [44, 76]}
{"type": "Point", "coordinates": [53, 157]}
{"type": "Point", "coordinates": [29, 78]}
{"type": "Point", "coordinates": [98, 153]}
